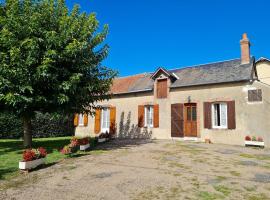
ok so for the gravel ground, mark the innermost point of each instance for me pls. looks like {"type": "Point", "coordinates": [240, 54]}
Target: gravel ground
{"type": "Point", "coordinates": [141, 170]}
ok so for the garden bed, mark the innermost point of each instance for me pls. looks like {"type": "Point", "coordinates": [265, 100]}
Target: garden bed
{"type": "Point", "coordinates": [254, 143]}
{"type": "Point", "coordinates": [31, 164]}
{"type": "Point", "coordinates": [84, 147]}
{"type": "Point", "coordinates": [101, 140]}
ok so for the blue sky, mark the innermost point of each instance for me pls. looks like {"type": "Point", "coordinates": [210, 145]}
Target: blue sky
{"type": "Point", "coordinates": [146, 34]}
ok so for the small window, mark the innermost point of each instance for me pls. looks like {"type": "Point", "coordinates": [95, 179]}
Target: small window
{"type": "Point", "coordinates": [81, 120]}
{"type": "Point", "coordinates": [189, 113]}
{"type": "Point", "coordinates": [194, 113]}
{"type": "Point", "coordinates": [148, 113]}
{"type": "Point", "coordinates": [254, 95]}
{"type": "Point", "coordinates": [219, 115]}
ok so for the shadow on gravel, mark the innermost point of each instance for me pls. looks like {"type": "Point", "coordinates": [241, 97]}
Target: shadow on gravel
{"type": "Point", "coordinates": [121, 144]}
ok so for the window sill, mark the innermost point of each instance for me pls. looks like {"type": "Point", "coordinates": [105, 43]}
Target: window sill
{"type": "Point", "coordinates": [254, 102]}
{"type": "Point", "coordinates": [219, 128]}
{"type": "Point", "coordinates": [148, 127]}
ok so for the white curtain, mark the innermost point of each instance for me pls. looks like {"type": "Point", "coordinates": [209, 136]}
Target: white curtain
{"type": "Point", "coordinates": [223, 115]}
{"type": "Point", "coordinates": [148, 113]}
{"type": "Point", "coordinates": [80, 119]}
{"type": "Point", "coordinates": [105, 118]}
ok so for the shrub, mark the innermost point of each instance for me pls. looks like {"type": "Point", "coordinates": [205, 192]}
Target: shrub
{"type": "Point", "coordinates": [253, 138]}
{"type": "Point", "coordinates": [66, 150]}
{"type": "Point", "coordinates": [43, 125]}
{"type": "Point", "coordinates": [104, 135]}
{"type": "Point", "coordinates": [42, 152]}
{"type": "Point", "coordinates": [72, 147]}
{"type": "Point", "coordinates": [10, 126]}
{"type": "Point", "coordinates": [74, 142]}
{"type": "Point", "coordinates": [260, 139]}
{"type": "Point", "coordinates": [52, 125]}
{"type": "Point", "coordinates": [84, 141]}
{"type": "Point", "coordinates": [248, 138]}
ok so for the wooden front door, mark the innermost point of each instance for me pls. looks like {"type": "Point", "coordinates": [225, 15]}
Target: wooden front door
{"type": "Point", "coordinates": [190, 120]}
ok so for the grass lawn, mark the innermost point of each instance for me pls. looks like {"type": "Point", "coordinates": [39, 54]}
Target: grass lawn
{"type": "Point", "coordinates": [11, 153]}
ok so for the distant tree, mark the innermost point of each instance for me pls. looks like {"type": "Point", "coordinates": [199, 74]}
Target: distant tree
{"type": "Point", "coordinates": [50, 60]}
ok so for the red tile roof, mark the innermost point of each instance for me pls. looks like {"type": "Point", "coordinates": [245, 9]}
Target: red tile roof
{"type": "Point", "coordinates": [122, 85]}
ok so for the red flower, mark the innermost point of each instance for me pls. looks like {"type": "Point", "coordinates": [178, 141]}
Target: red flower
{"type": "Point", "coordinates": [260, 139]}
{"type": "Point", "coordinates": [248, 138]}
{"type": "Point", "coordinates": [84, 141]}
{"type": "Point", "coordinates": [66, 150]}
{"type": "Point", "coordinates": [29, 155]}
{"type": "Point", "coordinates": [42, 152]}
{"type": "Point", "coordinates": [74, 142]}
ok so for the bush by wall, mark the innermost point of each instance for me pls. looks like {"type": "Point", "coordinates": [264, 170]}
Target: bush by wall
{"type": "Point", "coordinates": [44, 125]}
{"type": "Point", "coordinates": [10, 126]}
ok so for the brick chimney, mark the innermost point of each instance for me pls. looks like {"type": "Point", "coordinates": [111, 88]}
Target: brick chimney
{"type": "Point", "coordinates": [245, 49]}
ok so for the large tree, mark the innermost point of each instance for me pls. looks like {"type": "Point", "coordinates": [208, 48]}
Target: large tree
{"type": "Point", "coordinates": [50, 60]}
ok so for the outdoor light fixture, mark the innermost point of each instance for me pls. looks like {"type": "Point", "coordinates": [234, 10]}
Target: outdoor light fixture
{"type": "Point", "coordinates": [189, 99]}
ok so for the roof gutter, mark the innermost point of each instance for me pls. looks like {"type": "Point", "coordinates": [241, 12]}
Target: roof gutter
{"type": "Point", "coordinates": [134, 91]}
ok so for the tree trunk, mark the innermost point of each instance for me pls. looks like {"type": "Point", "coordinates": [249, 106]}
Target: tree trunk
{"type": "Point", "coordinates": [27, 132]}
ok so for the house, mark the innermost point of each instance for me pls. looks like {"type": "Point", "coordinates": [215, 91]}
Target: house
{"type": "Point", "coordinates": [263, 70]}
{"type": "Point", "coordinates": [221, 101]}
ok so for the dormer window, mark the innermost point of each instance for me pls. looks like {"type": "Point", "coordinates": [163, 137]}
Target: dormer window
{"type": "Point", "coordinates": [162, 88]}
{"type": "Point", "coordinates": [161, 78]}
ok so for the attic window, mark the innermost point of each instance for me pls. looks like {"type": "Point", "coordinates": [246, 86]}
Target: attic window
{"type": "Point", "coordinates": [162, 88]}
{"type": "Point", "coordinates": [254, 95]}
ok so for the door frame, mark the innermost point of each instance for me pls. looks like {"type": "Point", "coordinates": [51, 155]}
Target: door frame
{"type": "Point", "coordinates": [185, 118]}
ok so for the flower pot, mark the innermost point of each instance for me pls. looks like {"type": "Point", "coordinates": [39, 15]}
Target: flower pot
{"type": "Point", "coordinates": [31, 164]}
{"type": "Point", "coordinates": [254, 143]}
{"type": "Point", "coordinates": [84, 147]}
{"type": "Point", "coordinates": [102, 139]}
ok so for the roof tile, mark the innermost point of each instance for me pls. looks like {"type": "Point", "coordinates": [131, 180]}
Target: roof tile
{"type": "Point", "coordinates": [212, 73]}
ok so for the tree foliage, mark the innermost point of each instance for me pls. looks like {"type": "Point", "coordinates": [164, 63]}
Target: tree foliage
{"type": "Point", "coordinates": [50, 58]}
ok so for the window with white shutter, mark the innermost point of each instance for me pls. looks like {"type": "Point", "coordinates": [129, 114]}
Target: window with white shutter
{"type": "Point", "coordinates": [219, 115]}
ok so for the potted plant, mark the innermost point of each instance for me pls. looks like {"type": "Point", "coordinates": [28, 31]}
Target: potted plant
{"type": "Point", "coordinates": [32, 158]}
{"type": "Point", "coordinates": [72, 147]}
{"type": "Point", "coordinates": [247, 138]}
{"type": "Point", "coordinates": [253, 141]}
{"type": "Point", "coordinates": [66, 150]}
{"type": "Point", "coordinates": [84, 143]}
{"type": "Point", "coordinates": [103, 137]}
{"type": "Point", "coordinates": [74, 141]}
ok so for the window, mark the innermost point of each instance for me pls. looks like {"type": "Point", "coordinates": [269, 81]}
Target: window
{"type": "Point", "coordinates": [254, 95]}
{"type": "Point", "coordinates": [105, 120]}
{"type": "Point", "coordinates": [81, 120]}
{"type": "Point", "coordinates": [148, 113]}
{"type": "Point", "coordinates": [162, 88]}
{"type": "Point", "coordinates": [219, 115]}
{"type": "Point", "coordinates": [191, 113]}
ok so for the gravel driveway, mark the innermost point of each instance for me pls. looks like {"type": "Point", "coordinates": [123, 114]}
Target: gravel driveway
{"type": "Point", "coordinates": [140, 170]}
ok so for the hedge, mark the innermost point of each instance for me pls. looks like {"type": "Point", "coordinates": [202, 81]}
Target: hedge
{"type": "Point", "coordinates": [44, 125]}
